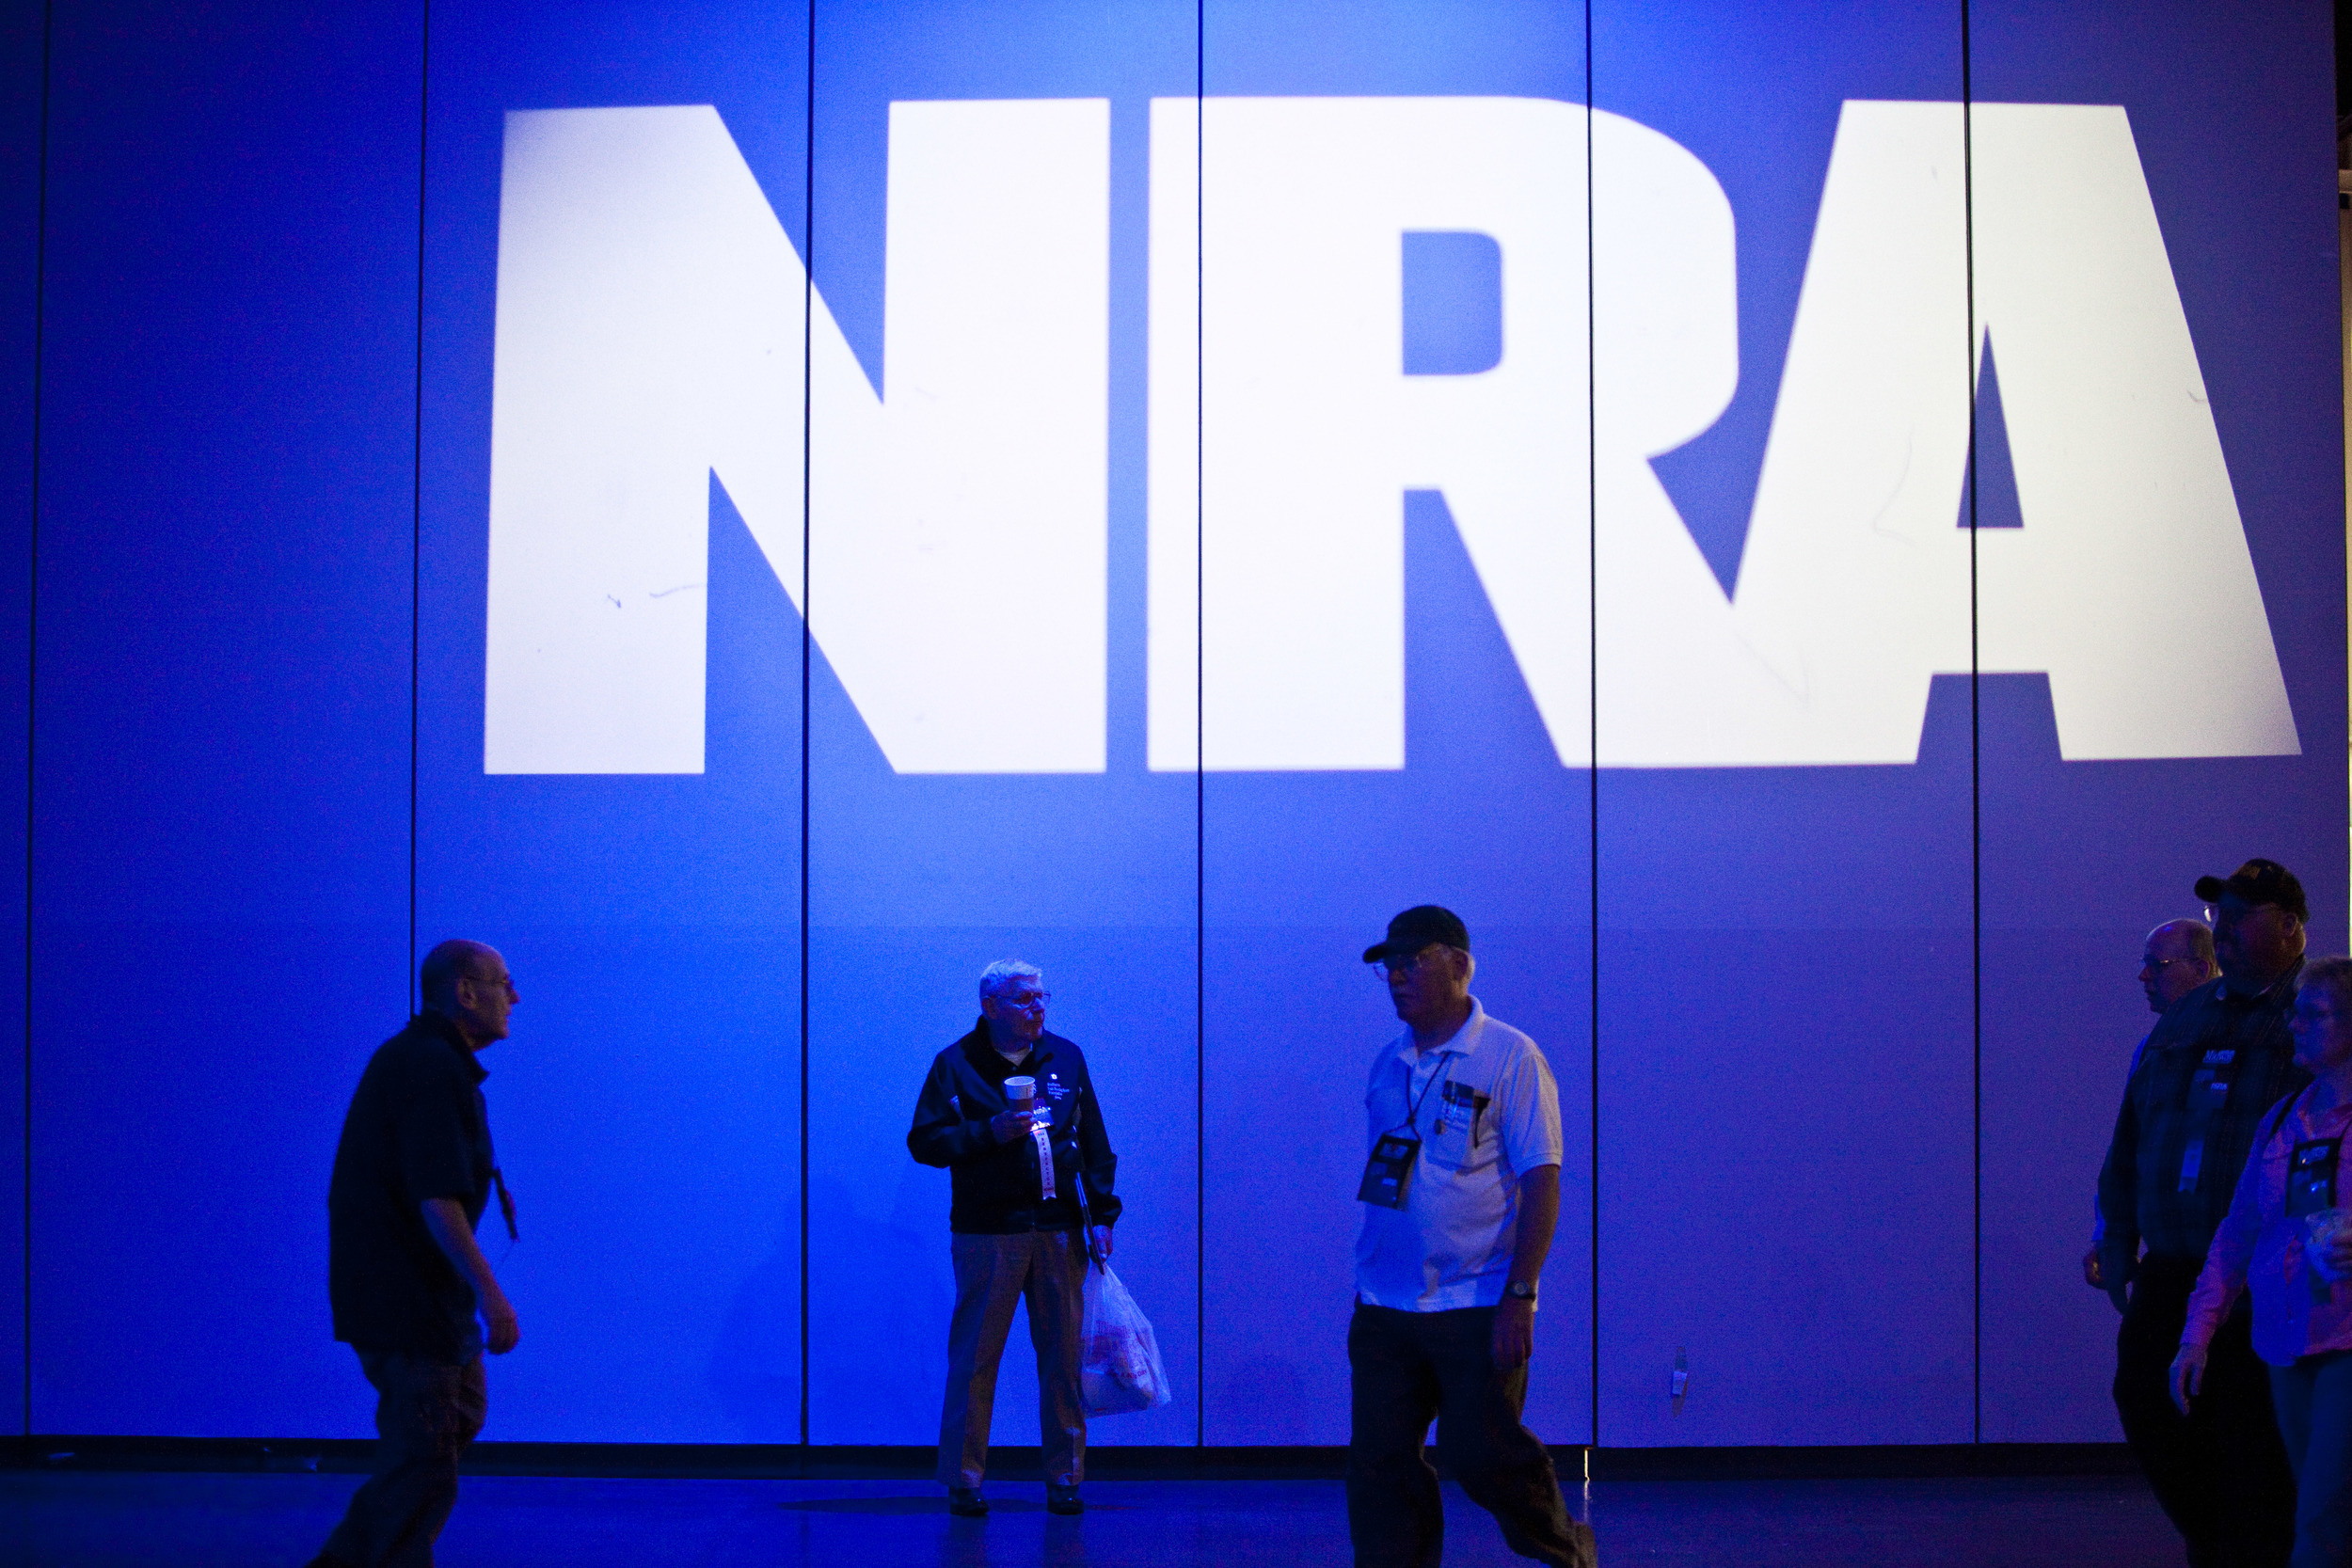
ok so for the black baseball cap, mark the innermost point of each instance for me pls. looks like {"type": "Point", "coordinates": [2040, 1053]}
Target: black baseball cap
{"type": "Point", "coordinates": [2258, 882]}
{"type": "Point", "coordinates": [1416, 929]}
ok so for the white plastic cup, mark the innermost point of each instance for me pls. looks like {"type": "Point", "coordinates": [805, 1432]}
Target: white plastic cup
{"type": "Point", "coordinates": [1021, 1091]}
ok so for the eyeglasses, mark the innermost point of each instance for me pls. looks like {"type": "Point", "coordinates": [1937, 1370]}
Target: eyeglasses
{"type": "Point", "coordinates": [2222, 914]}
{"type": "Point", "coordinates": [1391, 964]}
{"type": "Point", "coordinates": [1034, 1002]}
{"type": "Point", "coordinates": [2160, 965]}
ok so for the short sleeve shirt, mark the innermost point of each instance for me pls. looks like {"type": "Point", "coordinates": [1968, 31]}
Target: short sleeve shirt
{"type": "Point", "coordinates": [1487, 1111]}
{"type": "Point", "coordinates": [417, 1130]}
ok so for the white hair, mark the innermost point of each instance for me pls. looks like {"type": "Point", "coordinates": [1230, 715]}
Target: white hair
{"type": "Point", "coordinates": [998, 977]}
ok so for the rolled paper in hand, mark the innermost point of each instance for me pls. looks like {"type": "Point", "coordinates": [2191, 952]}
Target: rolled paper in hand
{"type": "Point", "coordinates": [2322, 1227]}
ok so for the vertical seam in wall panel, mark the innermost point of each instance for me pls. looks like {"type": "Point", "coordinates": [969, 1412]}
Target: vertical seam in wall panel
{"type": "Point", "coordinates": [32, 650]}
{"type": "Point", "coordinates": [1592, 675]}
{"type": "Point", "coordinates": [416, 517]}
{"type": "Point", "coordinates": [1200, 730]}
{"type": "Point", "coordinates": [808, 311]}
{"type": "Point", "coordinates": [1975, 765]}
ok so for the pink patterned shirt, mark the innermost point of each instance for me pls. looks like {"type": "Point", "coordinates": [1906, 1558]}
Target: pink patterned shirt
{"type": "Point", "coordinates": [2258, 1244]}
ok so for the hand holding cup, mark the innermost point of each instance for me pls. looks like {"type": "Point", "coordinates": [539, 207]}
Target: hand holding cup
{"type": "Point", "coordinates": [1020, 1097]}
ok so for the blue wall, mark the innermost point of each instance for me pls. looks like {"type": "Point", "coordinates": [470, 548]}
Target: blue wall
{"type": "Point", "coordinates": [1837, 1045]}
{"type": "Point", "coordinates": [21, 47]}
{"type": "Point", "coordinates": [221, 829]}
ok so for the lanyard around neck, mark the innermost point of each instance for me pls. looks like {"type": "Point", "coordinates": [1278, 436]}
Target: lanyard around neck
{"type": "Point", "coordinates": [1412, 1115]}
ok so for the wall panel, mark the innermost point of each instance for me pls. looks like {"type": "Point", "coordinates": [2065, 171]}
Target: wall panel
{"type": "Point", "coordinates": [1785, 1018]}
{"type": "Point", "coordinates": [647, 1106]}
{"type": "Point", "coordinates": [1448, 787]}
{"type": "Point", "coordinates": [2082, 858]}
{"type": "Point", "coordinates": [953, 658]}
{"type": "Point", "coordinates": [220, 830]}
{"type": "Point", "coordinates": [22, 32]}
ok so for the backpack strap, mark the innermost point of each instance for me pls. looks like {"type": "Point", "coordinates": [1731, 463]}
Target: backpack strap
{"type": "Point", "coordinates": [2279, 1115]}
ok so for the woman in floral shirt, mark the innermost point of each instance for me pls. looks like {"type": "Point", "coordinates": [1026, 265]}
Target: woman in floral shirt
{"type": "Point", "coordinates": [2287, 1238]}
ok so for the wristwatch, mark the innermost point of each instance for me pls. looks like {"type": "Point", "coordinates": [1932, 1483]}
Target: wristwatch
{"type": "Point", "coordinates": [1517, 1291]}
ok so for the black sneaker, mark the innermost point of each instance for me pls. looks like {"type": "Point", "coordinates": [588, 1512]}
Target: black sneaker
{"type": "Point", "coordinates": [1063, 1499]}
{"type": "Point", "coordinates": [966, 1503]}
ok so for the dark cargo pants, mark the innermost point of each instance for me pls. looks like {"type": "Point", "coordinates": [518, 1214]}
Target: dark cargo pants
{"type": "Point", "coordinates": [1408, 1369]}
{"type": "Point", "coordinates": [425, 1413]}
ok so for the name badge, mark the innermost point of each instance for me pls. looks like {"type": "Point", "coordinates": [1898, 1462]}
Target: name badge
{"type": "Point", "coordinates": [2311, 1175]}
{"type": "Point", "coordinates": [2208, 1094]}
{"type": "Point", "coordinates": [1388, 1173]}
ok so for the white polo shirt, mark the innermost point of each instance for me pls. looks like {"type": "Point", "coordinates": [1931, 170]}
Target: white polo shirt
{"type": "Point", "coordinates": [1488, 1112]}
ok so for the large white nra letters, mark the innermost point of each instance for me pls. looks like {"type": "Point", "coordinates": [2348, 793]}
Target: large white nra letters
{"type": "Point", "coordinates": [650, 332]}
{"type": "Point", "coordinates": [655, 326]}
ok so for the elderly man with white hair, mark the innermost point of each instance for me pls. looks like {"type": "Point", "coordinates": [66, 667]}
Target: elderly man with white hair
{"type": "Point", "coordinates": [1033, 1200]}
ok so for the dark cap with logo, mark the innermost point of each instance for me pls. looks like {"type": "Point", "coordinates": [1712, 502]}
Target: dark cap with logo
{"type": "Point", "coordinates": [2257, 882]}
{"type": "Point", "coordinates": [1415, 929]}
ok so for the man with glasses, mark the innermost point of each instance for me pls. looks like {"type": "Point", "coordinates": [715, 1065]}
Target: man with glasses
{"type": "Point", "coordinates": [2176, 959]}
{"type": "Point", "coordinates": [1032, 1200]}
{"type": "Point", "coordinates": [1460, 1194]}
{"type": "Point", "coordinates": [2216, 1060]}
{"type": "Point", "coordinates": [413, 1173]}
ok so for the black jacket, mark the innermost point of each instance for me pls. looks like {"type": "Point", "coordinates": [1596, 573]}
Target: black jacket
{"type": "Point", "coordinates": [995, 1184]}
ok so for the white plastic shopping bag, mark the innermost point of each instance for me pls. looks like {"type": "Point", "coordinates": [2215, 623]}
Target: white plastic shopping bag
{"type": "Point", "coordinates": [1122, 1368]}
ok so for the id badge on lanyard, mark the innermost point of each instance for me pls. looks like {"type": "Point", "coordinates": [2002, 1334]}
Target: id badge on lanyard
{"type": "Point", "coordinates": [1389, 1174]}
{"type": "Point", "coordinates": [2208, 1092]}
{"type": "Point", "coordinates": [1389, 1171]}
{"type": "Point", "coordinates": [2311, 1175]}
{"type": "Point", "coordinates": [2310, 1192]}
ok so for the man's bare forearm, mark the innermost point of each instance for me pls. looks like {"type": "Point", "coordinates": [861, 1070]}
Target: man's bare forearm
{"type": "Point", "coordinates": [446, 1218]}
{"type": "Point", "coordinates": [1539, 1214]}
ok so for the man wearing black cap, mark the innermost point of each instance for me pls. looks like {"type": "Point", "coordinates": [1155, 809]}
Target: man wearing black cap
{"type": "Point", "coordinates": [2218, 1059]}
{"type": "Point", "coordinates": [1460, 1192]}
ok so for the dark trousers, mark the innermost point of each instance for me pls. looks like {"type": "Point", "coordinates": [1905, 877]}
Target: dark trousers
{"type": "Point", "coordinates": [425, 1415]}
{"type": "Point", "coordinates": [2220, 1472]}
{"type": "Point", "coordinates": [1408, 1369]}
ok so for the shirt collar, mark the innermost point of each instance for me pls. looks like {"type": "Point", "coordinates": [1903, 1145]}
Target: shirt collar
{"type": "Point", "coordinates": [446, 1031]}
{"type": "Point", "coordinates": [1462, 1042]}
{"type": "Point", "coordinates": [979, 1049]}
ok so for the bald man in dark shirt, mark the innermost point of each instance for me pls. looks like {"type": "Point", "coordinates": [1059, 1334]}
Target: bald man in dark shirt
{"type": "Point", "coordinates": [412, 1292]}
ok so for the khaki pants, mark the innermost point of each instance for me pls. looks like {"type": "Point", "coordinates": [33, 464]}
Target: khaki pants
{"type": "Point", "coordinates": [1047, 1268]}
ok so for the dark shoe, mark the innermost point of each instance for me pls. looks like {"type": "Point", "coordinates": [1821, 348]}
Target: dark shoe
{"type": "Point", "coordinates": [966, 1503]}
{"type": "Point", "coordinates": [1063, 1499]}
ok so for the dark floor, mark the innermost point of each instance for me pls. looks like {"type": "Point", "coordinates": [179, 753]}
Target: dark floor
{"type": "Point", "coordinates": [86, 1520]}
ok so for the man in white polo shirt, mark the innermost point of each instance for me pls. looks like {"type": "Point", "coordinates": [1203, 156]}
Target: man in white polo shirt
{"type": "Point", "coordinates": [1461, 1189]}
